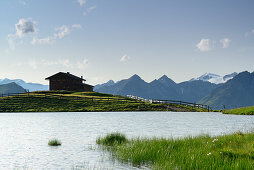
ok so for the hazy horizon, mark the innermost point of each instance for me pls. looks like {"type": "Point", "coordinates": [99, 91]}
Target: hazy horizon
{"type": "Point", "coordinates": [113, 40]}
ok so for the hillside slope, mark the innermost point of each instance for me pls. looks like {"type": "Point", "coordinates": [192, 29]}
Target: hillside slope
{"type": "Point", "coordinates": [65, 101]}
{"type": "Point", "coordinates": [237, 92]}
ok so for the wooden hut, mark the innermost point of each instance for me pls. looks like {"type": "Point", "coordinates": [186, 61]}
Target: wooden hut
{"type": "Point", "coordinates": [69, 82]}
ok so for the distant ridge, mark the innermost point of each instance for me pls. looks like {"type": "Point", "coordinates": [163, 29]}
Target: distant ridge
{"type": "Point", "coordinates": [28, 86]}
{"type": "Point", "coordinates": [109, 83]}
{"type": "Point", "coordinates": [11, 88]}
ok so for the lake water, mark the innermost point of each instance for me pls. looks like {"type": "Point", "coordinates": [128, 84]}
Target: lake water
{"type": "Point", "coordinates": [24, 136]}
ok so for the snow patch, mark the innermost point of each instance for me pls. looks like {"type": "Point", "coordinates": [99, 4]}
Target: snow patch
{"type": "Point", "coordinates": [215, 78]}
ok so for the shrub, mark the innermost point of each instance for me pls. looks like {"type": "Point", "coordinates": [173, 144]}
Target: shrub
{"type": "Point", "coordinates": [112, 139]}
{"type": "Point", "coordinates": [54, 142]}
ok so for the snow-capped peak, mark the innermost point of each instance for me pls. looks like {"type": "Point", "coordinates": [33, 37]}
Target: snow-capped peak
{"type": "Point", "coordinates": [214, 78]}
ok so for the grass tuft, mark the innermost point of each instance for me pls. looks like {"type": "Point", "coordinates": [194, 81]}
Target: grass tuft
{"type": "Point", "coordinates": [112, 139]}
{"type": "Point", "coordinates": [54, 142]}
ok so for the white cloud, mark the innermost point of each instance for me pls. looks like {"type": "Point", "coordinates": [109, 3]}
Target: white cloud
{"type": "Point", "coordinates": [225, 42]}
{"type": "Point", "coordinates": [125, 58]}
{"type": "Point", "coordinates": [22, 2]}
{"type": "Point", "coordinates": [48, 63]}
{"type": "Point", "coordinates": [91, 8]}
{"type": "Point", "coordinates": [65, 63]}
{"type": "Point", "coordinates": [32, 64]}
{"type": "Point", "coordinates": [62, 31]}
{"type": "Point", "coordinates": [61, 62]}
{"type": "Point", "coordinates": [82, 2]}
{"type": "Point", "coordinates": [11, 43]}
{"type": "Point", "coordinates": [47, 40]}
{"type": "Point", "coordinates": [82, 64]}
{"type": "Point", "coordinates": [249, 33]}
{"type": "Point", "coordinates": [77, 26]}
{"type": "Point", "coordinates": [88, 10]}
{"type": "Point", "coordinates": [204, 45]}
{"type": "Point", "coordinates": [25, 27]}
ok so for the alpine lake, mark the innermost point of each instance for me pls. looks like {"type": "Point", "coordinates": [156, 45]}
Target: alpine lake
{"type": "Point", "coordinates": [24, 136]}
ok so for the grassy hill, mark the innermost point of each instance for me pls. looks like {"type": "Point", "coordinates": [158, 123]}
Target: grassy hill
{"type": "Point", "coordinates": [65, 101]}
{"type": "Point", "coordinates": [240, 111]}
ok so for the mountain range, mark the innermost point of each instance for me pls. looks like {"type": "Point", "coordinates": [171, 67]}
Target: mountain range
{"type": "Point", "coordinates": [229, 91]}
{"type": "Point", "coordinates": [28, 86]}
{"type": "Point", "coordinates": [162, 88]}
{"type": "Point", "coordinates": [219, 92]}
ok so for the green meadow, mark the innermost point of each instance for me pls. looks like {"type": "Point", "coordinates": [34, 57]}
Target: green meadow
{"type": "Point", "coordinates": [235, 151]}
{"type": "Point", "coordinates": [240, 111]}
{"type": "Point", "coordinates": [66, 101]}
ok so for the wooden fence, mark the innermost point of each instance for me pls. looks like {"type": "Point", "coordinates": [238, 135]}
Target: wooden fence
{"type": "Point", "coordinates": [182, 103]}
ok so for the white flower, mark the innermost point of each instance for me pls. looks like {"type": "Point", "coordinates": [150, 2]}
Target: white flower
{"type": "Point", "coordinates": [215, 140]}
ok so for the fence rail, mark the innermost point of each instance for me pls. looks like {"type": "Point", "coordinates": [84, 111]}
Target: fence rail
{"type": "Point", "coordinates": [196, 105]}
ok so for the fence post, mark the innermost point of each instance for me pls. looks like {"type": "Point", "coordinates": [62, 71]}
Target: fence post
{"type": "Point", "coordinates": [208, 108]}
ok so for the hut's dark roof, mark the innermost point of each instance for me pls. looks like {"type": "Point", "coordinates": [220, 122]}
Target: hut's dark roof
{"type": "Point", "coordinates": [65, 74]}
{"type": "Point", "coordinates": [88, 85]}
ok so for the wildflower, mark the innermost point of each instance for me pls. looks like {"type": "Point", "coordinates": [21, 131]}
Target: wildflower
{"type": "Point", "coordinates": [209, 153]}
{"type": "Point", "coordinates": [215, 140]}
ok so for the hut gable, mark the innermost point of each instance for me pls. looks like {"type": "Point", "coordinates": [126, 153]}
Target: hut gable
{"type": "Point", "coordinates": [67, 81]}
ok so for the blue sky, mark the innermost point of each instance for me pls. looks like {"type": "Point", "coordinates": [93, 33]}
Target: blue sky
{"type": "Point", "coordinates": [114, 39]}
